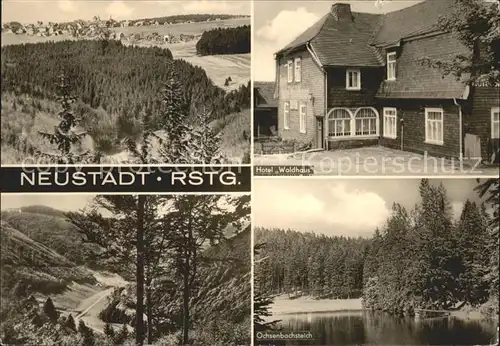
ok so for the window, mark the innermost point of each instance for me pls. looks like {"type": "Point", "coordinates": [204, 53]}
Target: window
{"type": "Point", "coordinates": [391, 66]}
{"type": "Point", "coordinates": [434, 125]}
{"type": "Point", "coordinates": [390, 122]}
{"type": "Point", "coordinates": [339, 123]}
{"type": "Point", "coordinates": [298, 72]}
{"type": "Point", "coordinates": [290, 71]}
{"type": "Point", "coordinates": [495, 122]}
{"type": "Point", "coordinates": [286, 115]}
{"type": "Point", "coordinates": [366, 122]}
{"type": "Point", "coordinates": [302, 116]}
{"type": "Point", "coordinates": [353, 79]}
{"type": "Point", "coordinates": [342, 122]}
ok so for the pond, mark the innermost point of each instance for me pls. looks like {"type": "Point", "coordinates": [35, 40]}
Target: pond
{"type": "Point", "coordinates": [376, 328]}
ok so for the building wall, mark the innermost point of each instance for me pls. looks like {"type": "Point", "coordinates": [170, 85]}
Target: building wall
{"type": "Point", "coordinates": [478, 120]}
{"type": "Point", "coordinates": [312, 82]}
{"type": "Point", "coordinates": [413, 114]}
{"type": "Point", "coordinates": [339, 96]}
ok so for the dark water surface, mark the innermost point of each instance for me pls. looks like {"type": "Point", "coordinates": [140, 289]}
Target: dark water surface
{"type": "Point", "coordinates": [374, 328]}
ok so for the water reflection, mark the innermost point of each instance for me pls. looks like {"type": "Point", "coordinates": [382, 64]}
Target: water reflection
{"type": "Point", "coordinates": [363, 328]}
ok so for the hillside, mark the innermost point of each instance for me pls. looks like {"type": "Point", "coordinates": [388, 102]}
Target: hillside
{"type": "Point", "coordinates": [28, 265]}
{"type": "Point", "coordinates": [49, 228]}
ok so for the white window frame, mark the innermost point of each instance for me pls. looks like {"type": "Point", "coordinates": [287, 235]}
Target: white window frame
{"type": "Point", "coordinates": [393, 133]}
{"type": "Point", "coordinates": [347, 79]}
{"type": "Point", "coordinates": [391, 66]}
{"type": "Point", "coordinates": [289, 66]}
{"type": "Point", "coordinates": [286, 115]}
{"type": "Point", "coordinates": [303, 117]}
{"type": "Point", "coordinates": [352, 123]}
{"type": "Point", "coordinates": [297, 69]}
{"type": "Point", "coordinates": [432, 140]}
{"type": "Point", "coordinates": [495, 110]}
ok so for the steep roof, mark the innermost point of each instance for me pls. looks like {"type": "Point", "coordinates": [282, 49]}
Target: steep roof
{"type": "Point", "coordinates": [416, 80]}
{"type": "Point", "coordinates": [342, 43]}
{"type": "Point", "coordinates": [415, 20]}
{"type": "Point", "coordinates": [354, 43]}
{"type": "Point", "coordinates": [306, 36]}
{"type": "Point", "coordinates": [264, 94]}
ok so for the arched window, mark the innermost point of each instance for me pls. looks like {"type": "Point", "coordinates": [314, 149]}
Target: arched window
{"type": "Point", "coordinates": [339, 123]}
{"type": "Point", "coordinates": [365, 122]}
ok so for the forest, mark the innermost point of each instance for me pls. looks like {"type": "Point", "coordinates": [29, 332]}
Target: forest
{"type": "Point", "coordinates": [225, 41]}
{"type": "Point", "coordinates": [422, 258]}
{"type": "Point", "coordinates": [178, 254]}
{"type": "Point", "coordinates": [109, 75]}
{"type": "Point", "coordinates": [310, 264]}
{"type": "Point", "coordinates": [116, 98]}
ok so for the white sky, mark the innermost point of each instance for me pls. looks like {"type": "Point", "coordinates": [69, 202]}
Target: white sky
{"type": "Point", "coordinates": [30, 11]}
{"type": "Point", "coordinates": [342, 206]}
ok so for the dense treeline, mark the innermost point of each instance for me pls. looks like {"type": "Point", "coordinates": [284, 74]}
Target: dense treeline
{"type": "Point", "coordinates": [225, 41]}
{"type": "Point", "coordinates": [423, 259]}
{"type": "Point", "coordinates": [306, 263]}
{"type": "Point", "coordinates": [106, 74]}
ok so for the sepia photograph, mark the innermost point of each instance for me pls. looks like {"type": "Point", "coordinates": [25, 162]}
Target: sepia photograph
{"type": "Point", "coordinates": [120, 82]}
{"type": "Point", "coordinates": [377, 87]}
{"type": "Point", "coordinates": [374, 262]}
{"type": "Point", "coordinates": [81, 269]}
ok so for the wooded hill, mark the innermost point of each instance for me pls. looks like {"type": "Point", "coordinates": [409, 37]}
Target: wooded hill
{"type": "Point", "coordinates": [225, 41]}
{"type": "Point", "coordinates": [122, 80]}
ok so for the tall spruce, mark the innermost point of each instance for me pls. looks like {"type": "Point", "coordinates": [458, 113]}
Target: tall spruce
{"type": "Point", "coordinates": [50, 310]}
{"type": "Point", "coordinates": [65, 136]}
{"type": "Point", "coordinates": [198, 221]}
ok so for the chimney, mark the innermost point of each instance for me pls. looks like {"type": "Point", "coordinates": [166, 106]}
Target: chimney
{"type": "Point", "coordinates": [341, 12]}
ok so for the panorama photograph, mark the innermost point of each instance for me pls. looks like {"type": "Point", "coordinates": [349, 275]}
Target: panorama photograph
{"type": "Point", "coordinates": [103, 270]}
{"type": "Point", "coordinates": [378, 87]}
{"type": "Point", "coordinates": [374, 262]}
{"type": "Point", "coordinates": [118, 82]}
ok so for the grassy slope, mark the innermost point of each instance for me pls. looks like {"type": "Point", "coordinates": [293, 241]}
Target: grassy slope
{"type": "Point", "coordinates": [233, 142]}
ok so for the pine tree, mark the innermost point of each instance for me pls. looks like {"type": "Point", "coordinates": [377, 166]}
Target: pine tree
{"type": "Point", "coordinates": [50, 310]}
{"type": "Point", "coordinates": [70, 323]}
{"type": "Point", "coordinates": [64, 135]}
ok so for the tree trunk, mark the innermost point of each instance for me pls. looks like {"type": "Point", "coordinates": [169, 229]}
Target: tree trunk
{"type": "Point", "coordinates": [139, 320]}
{"type": "Point", "coordinates": [185, 306]}
{"type": "Point", "coordinates": [149, 313]}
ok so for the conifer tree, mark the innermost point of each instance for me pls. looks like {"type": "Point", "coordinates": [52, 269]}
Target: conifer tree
{"type": "Point", "coordinates": [50, 310]}
{"type": "Point", "coordinates": [64, 135]}
{"type": "Point", "coordinates": [70, 323]}
{"type": "Point", "coordinates": [121, 336]}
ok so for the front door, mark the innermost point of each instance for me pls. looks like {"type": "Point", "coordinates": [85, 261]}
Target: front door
{"type": "Point", "coordinates": [319, 132]}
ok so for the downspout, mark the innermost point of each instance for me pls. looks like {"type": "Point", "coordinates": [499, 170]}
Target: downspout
{"type": "Point", "coordinates": [460, 121]}
{"type": "Point", "coordinates": [325, 96]}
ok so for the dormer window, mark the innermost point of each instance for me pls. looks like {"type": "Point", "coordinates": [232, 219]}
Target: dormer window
{"type": "Point", "coordinates": [353, 79]}
{"type": "Point", "coordinates": [289, 66]}
{"type": "Point", "coordinates": [391, 66]}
